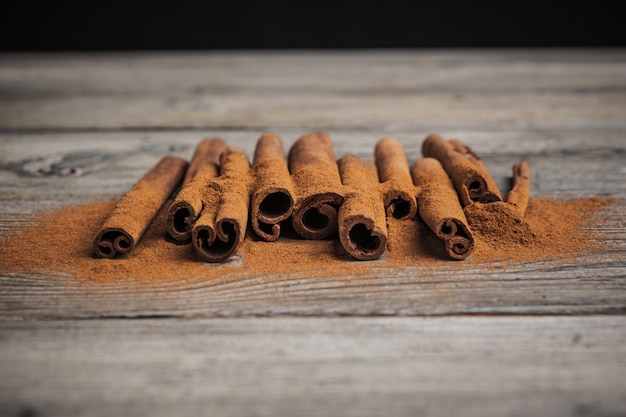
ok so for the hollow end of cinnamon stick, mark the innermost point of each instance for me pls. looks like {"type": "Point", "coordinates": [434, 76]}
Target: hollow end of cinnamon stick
{"type": "Point", "coordinates": [399, 204]}
{"type": "Point", "coordinates": [272, 200]}
{"type": "Point", "coordinates": [478, 190]}
{"type": "Point", "coordinates": [269, 207]}
{"type": "Point", "coordinates": [316, 216]}
{"type": "Point", "coordinates": [113, 241]}
{"type": "Point", "coordinates": [217, 244]}
{"type": "Point", "coordinates": [180, 218]}
{"type": "Point", "coordinates": [458, 240]}
{"type": "Point", "coordinates": [361, 237]}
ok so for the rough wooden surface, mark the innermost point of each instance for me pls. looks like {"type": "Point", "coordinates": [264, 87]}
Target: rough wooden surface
{"type": "Point", "coordinates": [80, 128]}
{"type": "Point", "coordinates": [316, 90]}
{"type": "Point", "coordinates": [470, 366]}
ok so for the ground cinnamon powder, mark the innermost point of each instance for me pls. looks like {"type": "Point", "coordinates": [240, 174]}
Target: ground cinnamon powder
{"type": "Point", "coordinates": [61, 242]}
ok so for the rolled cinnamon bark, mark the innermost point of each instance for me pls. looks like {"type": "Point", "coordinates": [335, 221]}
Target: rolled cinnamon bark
{"type": "Point", "coordinates": [361, 222]}
{"type": "Point", "coordinates": [137, 208]}
{"type": "Point", "coordinates": [520, 193]}
{"type": "Point", "coordinates": [438, 206]}
{"type": "Point", "coordinates": [393, 170]}
{"type": "Point", "coordinates": [318, 186]}
{"type": "Point", "coordinates": [469, 175]}
{"type": "Point", "coordinates": [272, 199]}
{"type": "Point", "coordinates": [187, 205]}
{"type": "Point", "coordinates": [221, 227]}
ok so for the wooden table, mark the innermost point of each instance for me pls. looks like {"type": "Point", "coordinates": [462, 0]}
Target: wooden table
{"type": "Point", "coordinates": [533, 339]}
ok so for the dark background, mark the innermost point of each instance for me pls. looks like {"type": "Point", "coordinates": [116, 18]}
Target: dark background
{"type": "Point", "coordinates": [236, 25]}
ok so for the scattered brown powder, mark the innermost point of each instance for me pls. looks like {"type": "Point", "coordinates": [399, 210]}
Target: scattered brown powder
{"type": "Point", "coordinates": [61, 241]}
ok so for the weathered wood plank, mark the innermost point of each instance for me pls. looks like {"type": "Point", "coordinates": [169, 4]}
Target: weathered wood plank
{"type": "Point", "coordinates": [83, 166]}
{"type": "Point", "coordinates": [470, 366]}
{"type": "Point", "coordinates": [316, 90]}
{"type": "Point", "coordinates": [535, 288]}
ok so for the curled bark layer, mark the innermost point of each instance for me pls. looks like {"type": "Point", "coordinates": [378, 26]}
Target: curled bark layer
{"type": "Point", "coordinates": [469, 175]}
{"type": "Point", "coordinates": [318, 186]}
{"type": "Point", "coordinates": [137, 208]}
{"type": "Point", "coordinates": [272, 199]}
{"type": "Point", "coordinates": [438, 206]}
{"type": "Point", "coordinates": [393, 170]}
{"type": "Point", "coordinates": [221, 227]}
{"type": "Point", "coordinates": [187, 205]}
{"type": "Point", "coordinates": [362, 224]}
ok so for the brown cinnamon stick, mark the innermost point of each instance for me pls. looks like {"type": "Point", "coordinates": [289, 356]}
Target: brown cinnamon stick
{"type": "Point", "coordinates": [468, 173]}
{"type": "Point", "coordinates": [318, 186]}
{"type": "Point", "coordinates": [393, 170]}
{"type": "Point", "coordinates": [438, 206]}
{"type": "Point", "coordinates": [361, 222]}
{"type": "Point", "coordinates": [520, 193]}
{"type": "Point", "coordinates": [272, 199]}
{"type": "Point", "coordinates": [221, 227]}
{"type": "Point", "coordinates": [137, 208]}
{"type": "Point", "coordinates": [187, 205]}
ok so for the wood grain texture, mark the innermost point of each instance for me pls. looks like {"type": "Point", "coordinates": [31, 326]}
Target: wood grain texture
{"type": "Point", "coordinates": [480, 366]}
{"type": "Point", "coordinates": [315, 90]}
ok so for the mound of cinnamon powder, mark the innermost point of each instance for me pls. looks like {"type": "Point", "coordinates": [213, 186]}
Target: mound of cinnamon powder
{"type": "Point", "coordinates": [62, 242]}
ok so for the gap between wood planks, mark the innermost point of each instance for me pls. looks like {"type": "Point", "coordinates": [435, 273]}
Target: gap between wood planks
{"type": "Point", "coordinates": [382, 129]}
{"type": "Point", "coordinates": [609, 311]}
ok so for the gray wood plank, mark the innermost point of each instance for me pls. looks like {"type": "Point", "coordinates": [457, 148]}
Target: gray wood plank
{"type": "Point", "coordinates": [469, 366]}
{"type": "Point", "coordinates": [315, 90]}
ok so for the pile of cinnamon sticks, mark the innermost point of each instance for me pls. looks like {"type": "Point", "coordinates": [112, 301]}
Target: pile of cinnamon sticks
{"type": "Point", "coordinates": [220, 194]}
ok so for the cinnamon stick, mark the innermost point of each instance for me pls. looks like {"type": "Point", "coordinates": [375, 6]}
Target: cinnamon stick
{"type": "Point", "coordinates": [361, 222]}
{"type": "Point", "coordinates": [468, 173]}
{"type": "Point", "coordinates": [221, 227]}
{"type": "Point", "coordinates": [272, 199]}
{"type": "Point", "coordinates": [438, 206]}
{"type": "Point", "coordinates": [137, 208]}
{"type": "Point", "coordinates": [520, 193]}
{"type": "Point", "coordinates": [393, 170]}
{"type": "Point", "coordinates": [318, 186]}
{"type": "Point", "coordinates": [187, 205]}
